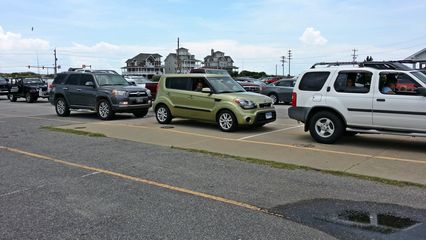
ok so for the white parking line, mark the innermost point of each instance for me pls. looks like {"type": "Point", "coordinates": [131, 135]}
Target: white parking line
{"type": "Point", "coordinates": [279, 130]}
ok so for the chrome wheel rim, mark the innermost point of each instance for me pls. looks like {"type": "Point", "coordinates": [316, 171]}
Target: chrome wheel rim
{"type": "Point", "coordinates": [103, 109]}
{"type": "Point", "coordinates": [225, 121]}
{"type": "Point", "coordinates": [60, 106]}
{"type": "Point", "coordinates": [162, 114]}
{"type": "Point", "coordinates": [324, 127]}
{"type": "Point", "coordinates": [274, 98]}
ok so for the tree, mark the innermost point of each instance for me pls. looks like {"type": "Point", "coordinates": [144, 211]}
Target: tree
{"type": "Point", "coordinates": [368, 59]}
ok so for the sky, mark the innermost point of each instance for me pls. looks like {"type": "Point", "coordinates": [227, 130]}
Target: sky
{"type": "Point", "coordinates": [255, 33]}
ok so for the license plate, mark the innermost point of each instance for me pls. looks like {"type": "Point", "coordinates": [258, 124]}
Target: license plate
{"type": "Point", "coordinates": [268, 115]}
{"type": "Point", "coordinates": [139, 100]}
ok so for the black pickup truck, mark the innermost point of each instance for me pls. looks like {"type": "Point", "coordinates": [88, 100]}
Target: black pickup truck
{"type": "Point", "coordinates": [29, 88]}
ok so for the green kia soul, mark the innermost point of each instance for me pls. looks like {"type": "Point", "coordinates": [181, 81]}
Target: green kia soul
{"type": "Point", "coordinates": [211, 98]}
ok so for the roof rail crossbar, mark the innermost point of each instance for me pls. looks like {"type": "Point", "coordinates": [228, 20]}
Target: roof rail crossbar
{"type": "Point", "coordinates": [329, 64]}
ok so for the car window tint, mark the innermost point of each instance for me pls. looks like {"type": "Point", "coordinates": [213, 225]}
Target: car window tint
{"type": "Point", "coordinates": [397, 84]}
{"type": "Point", "coordinates": [86, 78]}
{"type": "Point", "coordinates": [313, 81]}
{"type": "Point", "coordinates": [353, 82]}
{"type": "Point", "coordinates": [74, 79]}
{"type": "Point", "coordinates": [180, 83]}
{"type": "Point", "coordinates": [59, 79]}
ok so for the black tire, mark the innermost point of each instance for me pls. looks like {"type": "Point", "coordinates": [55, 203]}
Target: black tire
{"type": "Point", "coordinates": [9, 96]}
{"type": "Point", "coordinates": [141, 113]}
{"type": "Point", "coordinates": [326, 127]}
{"type": "Point", "coordinates": [274, 98]}
{"type": "Point", "coordinates": [163, 114]}
{"type": "Point", "coordinates": [104, 110]}
{"type": "Point", "coordinates": [226, 121]}
{"type": "Point", "coordinates": [13, 98]}
{"type": "Point", "coordinates": [61, 107]}
{"type": "Point", "coordinates": [28, 98]}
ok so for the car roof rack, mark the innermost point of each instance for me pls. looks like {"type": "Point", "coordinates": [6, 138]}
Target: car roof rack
{"type": "Point", "coordinates": [389, 65]}
{"type": "Point", "coordinates": [91, 71]}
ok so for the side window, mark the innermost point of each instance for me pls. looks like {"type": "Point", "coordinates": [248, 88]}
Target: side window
{"type": "Point", "coordinates": [74, 79]}
{"type": "Point", "coordinates": [397, 84]}
{"type": "Point", "coordinates": [198, 84]}
{"type": "Point", "coordinates": [85, 78]}
{"type": "Point", "coordinates": [59, 79]}
{"type": "Point", "coordinates": [353, 82]}
{"type": "Point", "coordinates": [284, 84]}
{"type": "Point", "coordinates": [179, 83]}
{"type": "Point", "coordinates": [313, 81]}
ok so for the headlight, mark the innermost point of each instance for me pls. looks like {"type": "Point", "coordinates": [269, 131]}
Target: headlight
{"type": "Point", "coordinates": [119, 93]}
{"type": "Point", "coordinates": [245, 104]}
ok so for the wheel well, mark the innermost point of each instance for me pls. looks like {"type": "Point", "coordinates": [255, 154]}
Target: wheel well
{"type": "Point", "coordinates": [159, 105]}
{"type": "Point", "coordinates": [318, 109]}
{"type": "Point", "coordinates": [223, 109]}
{"type": "Point", "coordinates": [102, 98]}
{"type": "Point", "coordinates": [58, 96]}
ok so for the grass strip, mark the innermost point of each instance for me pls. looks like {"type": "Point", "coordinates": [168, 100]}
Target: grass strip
{"type": "Point", "coordinates": [290, 166]}
{"type": "Point", "coordinates": [73, 131]}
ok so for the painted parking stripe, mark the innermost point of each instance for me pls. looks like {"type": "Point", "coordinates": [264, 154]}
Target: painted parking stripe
{"type": "Point", "coordinates": [141, 180]}
{"type": "Point", "coordinates": [274, 144]}
{"type": "Point", "coordinates": [265, 133]}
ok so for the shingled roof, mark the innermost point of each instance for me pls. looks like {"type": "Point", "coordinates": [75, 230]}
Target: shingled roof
{"type": "Point", "coordinates": [143, 56]}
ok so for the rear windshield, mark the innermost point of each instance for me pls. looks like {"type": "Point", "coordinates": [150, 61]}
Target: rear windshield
{"type": "Point", "coordinates": [3, 80]}
{"type": "Point", "coordinates": [33, 81]}
{"type": "Point", "coordinates": [313, 81]}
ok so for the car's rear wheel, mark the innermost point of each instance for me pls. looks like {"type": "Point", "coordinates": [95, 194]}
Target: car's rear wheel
{"type": "Point", "coordinates": [141, 113]}
{"type": "Point", "coordinates": [61, 107]}
{"type": "Point", "coordinates": [326, 127]}
{"type": "Point", "coordinates": [104, 110]}
{"type": "Point", "coordinates": [274, 98]}
{"type": "Point", "coordinates": [28, 98]}
{"type": "Point", "coordinates": [163, 115]}
{"type": "Point", "coordinates": [227, 121]}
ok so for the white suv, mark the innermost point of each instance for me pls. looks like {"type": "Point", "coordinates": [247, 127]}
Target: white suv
{"type": "Point", "coordinates": [334, 99]}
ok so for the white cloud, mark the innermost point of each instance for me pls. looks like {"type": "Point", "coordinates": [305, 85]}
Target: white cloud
{"type": "Point", "coordinates": [15, 42]}
{"type": "Point", "coordinates": [312, 37]}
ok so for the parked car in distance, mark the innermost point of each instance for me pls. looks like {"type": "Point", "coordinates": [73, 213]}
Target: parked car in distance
{"type": "Point", "coordinates": [4, 86]}
{"type": "Point", "coordinates": [139, 81]}
{"type": "Point", "coordinates": [211, 98]}
{"type": "Point", "coordinates": [268, 80]}
{"type": "Point", "coordinates": [250, 84]}
{"type": "Point", "coordinates": [279, 91]}
{"type": "Point", "coordinates": [100, 91]}
{"type": "Point", "coordinates": [29, 88]}
{"type": "Point", "coordinates": [345, 99]}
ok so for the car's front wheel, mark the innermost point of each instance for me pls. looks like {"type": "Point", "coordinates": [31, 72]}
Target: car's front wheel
{"type": "Point", "coordinates": [227, 121]}
{"type": "Point", "coordinates": [163, 115]}
{"type": "Point", "coordinates": [61, 107]}
{"type": "Point", "coordinates": [12, 98]}
{"type": "Point", "coordinates": [29, 98]}
{"type": "Point", "coordinates": [104, 110]}
{"type": "Point", "coordinates": [141, 113]}
{"type": "Point", "coordinates": [326, 127]}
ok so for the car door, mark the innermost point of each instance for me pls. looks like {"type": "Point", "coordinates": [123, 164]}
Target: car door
{"type": "Point", "coordinates": [403, 108]}
{"type": "Point", "coordinates": [179, 92]}
{"type": "Point", "coordinates": [86, 91]}
{"type": "Point", "coordinates": [70, 89]}
{"type": "Point", "coordinates": [285, 89]}
{"type": "Point", "coordinates": [201, 104]}
{"type": "Point", "coordinates": [352, 92]}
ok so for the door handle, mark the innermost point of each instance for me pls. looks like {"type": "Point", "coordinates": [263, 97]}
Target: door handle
{"type": "Point", "coordinates": [381, 100]}
{"type": "Point", "coordinates": [190, 97]}
{"type": "Point", "coordinates": [78, 89]}
{"type": "Point", "coordinates": [65, 88]}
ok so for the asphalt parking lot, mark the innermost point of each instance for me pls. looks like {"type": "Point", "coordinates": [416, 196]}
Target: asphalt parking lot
{"type": "Point", "coordinates": [60, 186]}
{"type": "Point", "coordinates": [392, 157]}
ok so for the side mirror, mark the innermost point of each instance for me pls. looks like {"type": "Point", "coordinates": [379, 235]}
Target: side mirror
{"type": "Point", "coordinates": [132, 83]}
{"type": "Point", "coordinates": [206, 90]}
{"type": "Point", "coordinates": [89, 84]}
{"type": "Point", "coordinates": [421, 91]}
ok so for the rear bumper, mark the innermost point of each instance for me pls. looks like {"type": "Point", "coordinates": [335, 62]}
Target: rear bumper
{"type": "Point", "coordinates": [299, 113]}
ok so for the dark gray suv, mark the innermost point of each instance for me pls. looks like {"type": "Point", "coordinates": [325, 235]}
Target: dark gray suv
{"type": "Point", "coordinates": [104, 92]}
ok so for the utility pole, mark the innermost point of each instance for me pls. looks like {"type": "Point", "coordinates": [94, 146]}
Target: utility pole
{"type": "Point", "coordinates": [178, 58]}
{"type": "Point", "coordinates": [289, 58]}
{"type": "Point", "coordinates": [283, 61]}
{"type": "Point", "coordinates": [354, 55]}
{"type": "Point", "coordinates": [276, 70]}
{"type": "Point", "coordinates": [55, 71]}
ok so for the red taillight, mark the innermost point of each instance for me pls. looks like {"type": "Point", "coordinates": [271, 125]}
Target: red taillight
{"type": "Point", "coordinates": [51, 86]}
{"type": "Point", "coordinates": [293, 99]}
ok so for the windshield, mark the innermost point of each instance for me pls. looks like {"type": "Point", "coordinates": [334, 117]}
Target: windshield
{"type": "Point", "coordinates": [218, 72]}
{"type": "Point", "coordinates": [420, 75]}
{"type": "Point", "coordinates": [3, 80]}
{"type": "Point", "coordinates": [111, 80]}
{"type": "Point", "coordinates": [225, 85]}
{"type": "Point", "coordinates": [33, 81]}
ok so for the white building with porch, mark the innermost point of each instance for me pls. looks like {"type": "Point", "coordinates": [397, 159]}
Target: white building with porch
{"type": "Point", "coordinates": [419, 59]}
{"type": "Point", "coordinates": [144, 64]}
{"type": "Point", "coordinates": [181, 62]}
